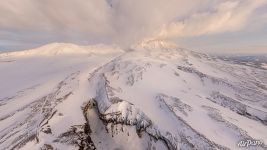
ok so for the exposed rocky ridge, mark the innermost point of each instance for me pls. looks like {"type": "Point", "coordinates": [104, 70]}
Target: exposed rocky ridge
{"type": "Point", "coordinates": [39, 112]}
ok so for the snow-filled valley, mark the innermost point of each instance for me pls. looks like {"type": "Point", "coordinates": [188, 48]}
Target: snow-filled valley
{"type": "Point", "coordinates": [152, 96]}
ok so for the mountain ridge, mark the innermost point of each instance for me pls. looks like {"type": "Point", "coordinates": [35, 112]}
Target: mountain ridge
{"type": "Point", "coordinates": [153, 97]}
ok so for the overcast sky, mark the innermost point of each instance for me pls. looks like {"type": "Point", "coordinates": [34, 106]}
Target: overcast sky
{"type": "Point", "coordinates": [214, 26]}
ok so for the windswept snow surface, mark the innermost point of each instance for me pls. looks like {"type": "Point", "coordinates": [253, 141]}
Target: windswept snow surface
{"type": "Point", "coordinates": [154, 96]}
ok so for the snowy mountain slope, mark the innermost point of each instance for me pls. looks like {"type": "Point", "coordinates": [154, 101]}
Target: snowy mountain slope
{"type": "Point", "coordinates": [156, 96]}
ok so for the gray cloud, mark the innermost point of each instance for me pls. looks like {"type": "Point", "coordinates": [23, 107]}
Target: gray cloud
{"type": "Point", "coordinates": [121, 21]}
{"type": "Point", "coordinates": [225, 16]}
{"type": "Point", "coordinates": [118, 20]}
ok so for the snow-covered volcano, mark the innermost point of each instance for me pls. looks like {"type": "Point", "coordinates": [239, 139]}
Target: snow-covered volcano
{"type": "Point", "coordinates": [155, 96]}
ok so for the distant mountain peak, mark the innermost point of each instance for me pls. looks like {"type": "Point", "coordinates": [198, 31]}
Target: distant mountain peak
{"type": "Point", "coordinates": [54, 49]}
{"type": "Point", "coordinates": [155, 44]}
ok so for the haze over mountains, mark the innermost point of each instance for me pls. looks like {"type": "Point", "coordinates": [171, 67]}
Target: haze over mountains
{"type": "Point", "coordinates": [152, 96]}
